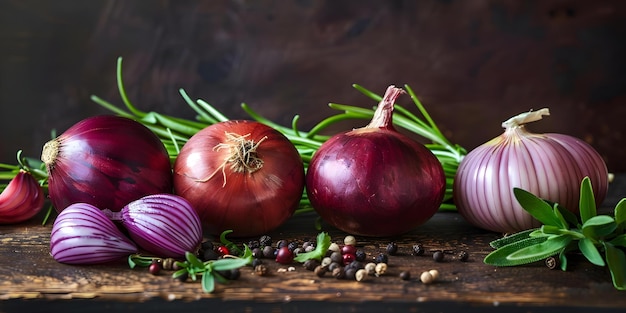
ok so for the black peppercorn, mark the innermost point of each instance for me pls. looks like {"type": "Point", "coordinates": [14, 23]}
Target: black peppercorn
{"type": "Point", "coordinates": [339, 273]}
{"type": "Point", "coordinates": [438, 256]}
{"type": "Point", "coordinates": [292, 246]}
{"type": "Point", "coordinates": [405, 275]}
{"type": "Point", "coordinates": [418, 249]}
{"type": "Point", "coordinates": [382, 258]}
{"type": "Point", "coordinates": [320, 271]}
{"type": "Point", "coordinates": [254, 244]}
{"type": "Point", "coordinates": [336, 257]}
{"type": "Point", "coordinates": [265, 240]}
{"type": "Point", "coordinates": [552, 262]}
{"type": "Point", "coordinates": [260, 270]}
{"type": "Point", "coordinates": [333, 265]}
{"type": "Point", "coordinates": [311, 264]}
{"type": "Point", "coordinates": [392, 248]}
{"type": "Point", "coordinates": [206, 245]}
{"type": "Point", "coordinates": [463, 256]}
{"type": "Point", "coordinates": [210, 254]}
{"type": "Point", "coordinates": [257, 253]}
{"type": "Point", "coordinates": [281, 243]}
{"type": "Point", "coordinates": [350, 273]}
{"type": "Point", "coordinates": [360, 255]}
{"type": "Point", "coordinates": [268, 252]}
{"type": "Point", "coordinates": [256, 261]}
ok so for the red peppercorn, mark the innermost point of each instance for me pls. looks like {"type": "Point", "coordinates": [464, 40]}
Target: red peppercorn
{"type": "Point", "coordinates": [348, 249]}
{"type": "Point", "coordinates": [222, 250]}
{"type": "Point", "coordinates": [348, 258]}
{"type": "Point", "coordinates": [154, 268]}
{"type": "Point", "coordinates": [284, 255]}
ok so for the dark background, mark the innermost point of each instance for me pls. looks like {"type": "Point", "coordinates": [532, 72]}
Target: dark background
{"type": "Point", "coordinates": [472, 63]}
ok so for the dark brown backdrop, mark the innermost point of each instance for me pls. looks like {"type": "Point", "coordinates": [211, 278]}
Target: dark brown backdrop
{"type": "Point", "coordinates": [472, 63]}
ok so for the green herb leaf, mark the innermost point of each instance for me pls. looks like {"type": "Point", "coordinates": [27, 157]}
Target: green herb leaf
{"type": "Point", "coordinates": [322, 245]}
{"type": "Point", "coordinates": [538, 208]}
{"type": "Point", "coordinates": [193, 260]}
{"type": "Point", "coordinates": [590, 251]}
{"type": "Point", "coordinates": [499, 257]}
{"type": "Point", "coordinates": [587, 202]}
{"type": "Point", "coordinates": [551, 246]}
{"type": "Point", "coordinates": [620, 213]}
{"type": "Point", "coordinates": [501, 242]}
{"type": "Point", "coordinates": [563, 260]}
{"type": "Point", "coordinates": [570, 217]}
{"type": "Point", "coordinates": [234, 250]}
{"type": "Point", "coordinates": [619, 241]}
{"type": "Point", "coordinates": [599, 226]}
{"type": "Point", "coordinates": [616, 260]}
{"type": "Point", "coordinates": [208, 282]}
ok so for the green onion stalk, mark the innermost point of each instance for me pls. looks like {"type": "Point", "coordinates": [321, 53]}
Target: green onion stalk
{"type": "Point", "coordinates": [174, 132]}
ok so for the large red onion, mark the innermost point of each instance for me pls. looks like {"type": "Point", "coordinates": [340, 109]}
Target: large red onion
{"type": "Point", "coordinates": [163, 224]}
{"type": "Point", "coordinates": [82, 234]}
{"type": "Point", "coordinates": [22, 199]}
{"type": "Point", "coordinates": [375, 181]}
{"type": "Point", "coordinates": [242, 176]}
{"type": "Point", "coordinates": [550, 166]}
{"type": "Point", "coordinates": [107, 161]}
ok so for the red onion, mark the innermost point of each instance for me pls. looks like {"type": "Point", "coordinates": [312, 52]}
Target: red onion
{"type": "Point", "coordinates": [242, 176]}
{"type": "Point", "coordinates": [375, 181]}
{"type": "Point", "coordinates": [82, 234]}
{"type": "Point", "coordinates": [21, 199]}
{"type": "Point", "coordinates": [550, 166]}
{"type": "Point", "coordinates": [163, 224]}
{"type": "Point", "coordinates": [106, 161]}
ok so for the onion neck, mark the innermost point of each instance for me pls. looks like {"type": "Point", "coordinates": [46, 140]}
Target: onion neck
{"type": "Point", "coordinates": [383, 116]}
{"type": "Point", "coordinates": [524, 118]}
{"type": "Point", "coordinates": [50, 152]}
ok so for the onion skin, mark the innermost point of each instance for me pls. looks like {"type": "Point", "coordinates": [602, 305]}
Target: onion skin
{"type": "Point", "coordinates": [22, 199]}
{"type": "Point", "coordinates": [107, 161]}
{"type": "Point", "coordinates": [82, 234]}
{"type": "Point", "coordinates": [550, 166]}
{"type": "Point", "coordinates": [163, 224]}
{"type": "Point", "coordinates": [250, 203]}
{"type": "Point", "coordinates": [374, 181]}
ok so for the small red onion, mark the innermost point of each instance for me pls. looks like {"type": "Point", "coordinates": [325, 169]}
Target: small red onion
{"type": "Point", "coordinates": [163, 224]}
{"type": "Point", "coordinates": [22, 199]}
{"type": "Point", "coordinates": [82, 234]}
{"type": "Point", "coordinates": [550, 166]}
{"type": "Point", "coordinates": [106, 161]}
{"type": "Point", "coordinates": [375, 181]}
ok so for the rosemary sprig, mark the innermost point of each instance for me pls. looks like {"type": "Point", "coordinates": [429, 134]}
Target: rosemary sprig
{"type": "Point", "coordinates": [600, 238]}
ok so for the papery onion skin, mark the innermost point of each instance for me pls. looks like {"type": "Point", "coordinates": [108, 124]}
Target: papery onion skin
{"type": "Point", "coordinates": [165, 225]}
{"type": "Point", "coordinates": [550, 166]}
{"type": "Point", "coordinates": [250, 203]}
{"type": "Point", "coordinates": [22, 199]}
{"type": "Point", "coordinates": [374, 181]}
{"type": "Point", "coordinates": [82, 234]}
{"type": "Point", "coordinates": [107, 161]}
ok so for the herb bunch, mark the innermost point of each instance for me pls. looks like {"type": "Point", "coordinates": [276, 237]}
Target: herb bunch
{"type": "Point", "coordinates": [600, 238]}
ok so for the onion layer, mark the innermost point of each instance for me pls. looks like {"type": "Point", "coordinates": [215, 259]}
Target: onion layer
{"type": "Point", "coordinates": [106, 161]}
{"type": "Point", "coordinates": [375, 181]}
{"type": "Point", "coordinates": [21, 199]}
{"type": "Point", "coordinates": [163, 224]}
{"type": "Point", "coordinates": [82, 234]}
{"type": "Point", "coordinates": [242, 176]}
{"type": "Point", "coordinates": [551, 166]}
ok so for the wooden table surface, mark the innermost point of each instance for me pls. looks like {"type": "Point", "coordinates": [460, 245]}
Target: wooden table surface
{"type": "Point", "coordinates": [31, 281]}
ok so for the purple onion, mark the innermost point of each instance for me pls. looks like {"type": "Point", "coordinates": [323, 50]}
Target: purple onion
{"type": "Point", "coordinates": [163, 224]}
{"type": "Point", "coordinates": [82, 234]}
{"type": "Point", "coordinates": [550, 166]}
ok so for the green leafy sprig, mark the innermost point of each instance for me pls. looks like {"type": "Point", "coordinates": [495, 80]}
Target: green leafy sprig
{"type": "Point", "coordinates": [321, 247]}
{"type": "Point", "coordinates": [600, 238]}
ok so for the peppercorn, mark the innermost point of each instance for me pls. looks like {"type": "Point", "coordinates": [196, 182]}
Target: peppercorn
{"type": "Point", "coordinates": [370, 268]}
{"type": "Point", "coordinates": [339, 273]}
{"type": "Point", "coordinates": [418, 249]}
{"type": "Point", "coordinates": [552, 262]}
{"type": "Point", "coordinates": [268, 252]}
{"type": "Point", "coordinates": [252, 244]}
{"type": "Point", "coordinates": [207, 245]}
{"type": "Point", "coordinates": [307, 244]}
{"type": "Point", "coordinates": [336, 257]}
{"type": "Point", "coordinates": [434, 274]}
{"type": "Point", "coordinates": [463, 256]}
{"type": "Point", "coordinates": [381, 258]}
{"type": "Point", "coordinates": [356, 264]}
{"type": "Point", "coordinates": [155, 267]}
{"type": "Point", "coordinates": [265, 240]}
{"type": "Point", "coordinates": [360, 255]}
{"type": "Point", "coordinates": [347, 249]}
{"type": "Point", "coordinates": [281, 243]}
{"type": "Point", "coordinates": [223, 250]}
{"type": "Point", "coordinates": [392, 248]}
{"type": "Point", "coordinates": [350, 273]}
{"type": "Point", "coordinates": [405, 275]}
{"type": "Point", "coordinates": [349, 240]}
{"type": "Point", "coordinates": [293, 245]}
{"type": "Point", "coordinates": [284, 255]}
{"type": "Point", "coordinates": [360, 275]}
{"type": "Point", "coordinates": [261, 270]}
{"type": "Point", "coordinates": [326, 261]}
{"type": "Point", "coordinates": [333, 265]}
{"type": "Point", "coordinates": [311, 264]}
{"type": "Point", "coordinates": [257, 252]}
{"type": "Point", "coordinates": [210, 254]}
{"type": "Point", "coordinates": [168, 263]}
{"type": "Point", "coordinates": [381, 268]}
{"type": "Point", "coordinates": [320, 271]}
{"type": "Point", "coordinates": [348, 258]}
{"type": "Point", "coordinates": [426, 278]}
{"type": "Point", "coordinates": [438, 256]}
{"type": "Point", "coordinates": [256, 261]}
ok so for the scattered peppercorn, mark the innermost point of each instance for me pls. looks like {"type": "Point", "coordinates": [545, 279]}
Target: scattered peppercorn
{"type": "Point", "coordinates": [349, 240]}
{"type": "Point", "coordinates": [381, 258]}
{"type": "Point", "coordinates": [360, 275]}
{"type": "Point", "coordinates": [334, 247]}
{"type": "Point", "coordinates": [281, 243]}
{"type": "Point", "coordinates": [210, 254]}
{"type": "Point", "coordinates": [265, 240]}
{"type": "Point", "coordinates": [427, 278]}
{"type": "Point", "coordinates": [552, 262]}
{"type": "Point", "coordinates": [392, 248]}
{"type": "Point", "coordinates": [284, 255]}
{"type": "Point", "coordinates": [326, 261]}
{"type": "Point", "coordinates": [463, 256]}
{"type": "Point", "coordinates": [320, 271]}
{"type": "Point", "coordinates": [348, 258]}
{"type": "Point", "coordinates": [207, 245]}
{"type": "Point", "coordinates": [311, 264]}
{"type": "Point", "coordinates": [168, 263]}
{"type": "Point", "coordinates": [261, 270]}
{"type": "Point", "coordinates": [155, 267]}
{"type": "Point", "coordinates": [348, 249]}
{"type": "Point", "coordinates": [252, 244]}
{"type": "Point", "coordinates": [434, 274]}
{"type": "Point", "coordinates": [339, 273]}
{"type": "Point", "coordinates": [438, 256]}
{"type": "Point", "coordinates": [418, 249]}
{"type": "Point", "coordinates": [360, 255]}
{"type": "Point", "coordinates": [268, 252]}
{"type": "Point", "coordinates": [257, 252]}
{"type": "Point", "coordinates": [370, 268]}
{"type": "Point", "coordinates": [256, 261]}
{"type": "Point", "coordinates": [405, 275]}
{"type": "Point", "coordinates": [223, 250]}
{"type": "Point", "coordinates": [333, 265]}
{"type": "Point", "coordinates": [336, 257]}
{"type": "Point", "coordinates": [293, 245]}
{"type": "Point", "coordinates": [381, 268]}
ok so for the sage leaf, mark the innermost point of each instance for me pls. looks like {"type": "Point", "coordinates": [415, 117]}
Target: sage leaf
{"type": "Point", "coordinates": [193, 260]}
{"type": "Point", "coordinates": [619, 241]}
{"type": "Point", "coordinates": [538, 208]}
{"type": "Point", "coordinates": [570, 217]}
{"type": "Point", "coordinates": [587, 202]}
{"type": "Point", "coordinates": [499, 257]}
{"type": "Point", "coordinates": [616, 259]}
{"type": "Point", "coordinates": [599, 226]}
{"type": "Point", "coordinates": [208, 282]}
{"type": "Point", "coordinates": [620, 213]}
{"type": "Point", "coordinates": [590, 251]}
{"type": "Point", "coordinates": [501, 242]}
{"type": "Point", "coordinates": [563, 259]}
{"type": "Point", "coordinates": [536, 252]}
